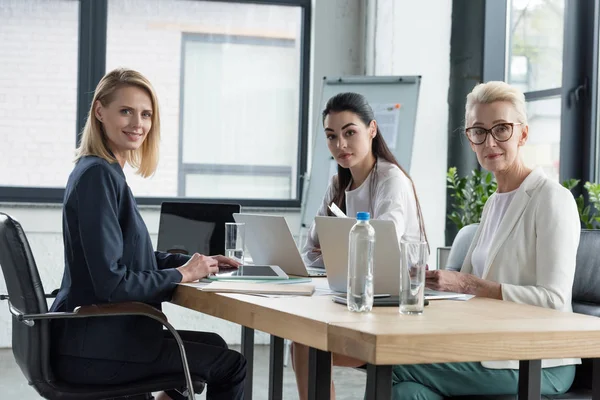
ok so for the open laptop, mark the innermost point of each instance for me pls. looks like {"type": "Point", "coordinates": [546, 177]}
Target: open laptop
{"type": "Point", "coordinates": [333, 236]}
{"type": "Point", "coordinates": [189, 228]}
{"type": "Point", "coordinates": [270, 242]}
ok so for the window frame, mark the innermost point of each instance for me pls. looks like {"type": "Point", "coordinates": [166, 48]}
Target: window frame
{"type": "Point", "coordinates": [579, 114]}
{"type": "Point", "coordinates": [185, 168]}
{"type": "Point", "coordinates": [93, 21]}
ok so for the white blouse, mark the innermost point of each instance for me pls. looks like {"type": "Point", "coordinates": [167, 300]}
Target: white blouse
{"type": "Point", "coordinates": [393, 200]}
{"type": "Point", "coordinates": [499, 205]}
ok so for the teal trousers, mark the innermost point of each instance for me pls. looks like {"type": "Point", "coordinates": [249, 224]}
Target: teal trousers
{"type": "Point", "coordinates": [437, 381]}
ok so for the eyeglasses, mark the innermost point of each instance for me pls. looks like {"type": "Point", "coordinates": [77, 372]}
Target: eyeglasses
{"type": "Point", "coordinates": [500, 132]}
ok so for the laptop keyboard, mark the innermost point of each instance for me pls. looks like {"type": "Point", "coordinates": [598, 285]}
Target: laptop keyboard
{"type": "Point", "coordinates": [316, 271]}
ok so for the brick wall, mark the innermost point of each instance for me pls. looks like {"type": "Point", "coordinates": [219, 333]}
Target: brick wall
{"type": "Point", "coordinates": [38, 76]}
{"type": "Point", "coordinates": [38, 79]}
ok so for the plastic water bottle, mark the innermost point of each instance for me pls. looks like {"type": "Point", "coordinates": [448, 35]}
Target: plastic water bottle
{"type": "Point", "coordinates": [360, 264]}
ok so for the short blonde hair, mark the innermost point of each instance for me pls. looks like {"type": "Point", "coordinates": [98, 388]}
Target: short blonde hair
{"type": "Point", "coordinates": [490, 92]}
{"type": "Point", "coordinates": [93, 141]}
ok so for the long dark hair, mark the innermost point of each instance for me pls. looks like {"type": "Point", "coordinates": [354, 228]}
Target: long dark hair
{"type": "Point", "coordinates": [358, 105]}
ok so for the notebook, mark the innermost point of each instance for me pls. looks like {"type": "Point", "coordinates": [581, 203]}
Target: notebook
{"type": "Point", "coordinates": [259, 288]}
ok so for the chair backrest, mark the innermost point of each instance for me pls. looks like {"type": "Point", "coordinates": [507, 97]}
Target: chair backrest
{"type": "Point", "coordinates": [586, 286]}
{"type": "Point", "coordinates": [30, 344]}
{"type": "Point", "coordinates": [586, 292]}
{"type": "Point", "coordinates": [460, 247]}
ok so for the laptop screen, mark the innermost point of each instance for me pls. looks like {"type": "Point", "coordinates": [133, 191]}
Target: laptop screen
{"type": "Point", "coordinates": [189, 228]}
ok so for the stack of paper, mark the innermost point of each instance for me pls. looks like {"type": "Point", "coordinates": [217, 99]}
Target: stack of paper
{"type": "Point", "coordinates": [259, 288]}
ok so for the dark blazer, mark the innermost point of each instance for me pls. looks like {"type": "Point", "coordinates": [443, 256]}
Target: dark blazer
{"type": "Point", "coordinates": [109, 258]}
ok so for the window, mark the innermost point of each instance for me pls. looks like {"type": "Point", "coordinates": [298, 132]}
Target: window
{"type": "Point", "coordinates": [536, 44]}
{"type": "Point", "coordinates": [535, 54]}
{"type": "Point", "coordinates": [543, 145]}
{"type": "Point", "coordinates": [239, 135]}
{"type": "Point", "coordinates": [228, 80]}
{"type": "Point", "coordinates": [38, 92]}
{"type": "Point", "coordinates": [240, 121]}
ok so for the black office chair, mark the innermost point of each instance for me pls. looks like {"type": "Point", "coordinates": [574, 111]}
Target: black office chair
{"type": "Point", "coordinates": [31, 332]}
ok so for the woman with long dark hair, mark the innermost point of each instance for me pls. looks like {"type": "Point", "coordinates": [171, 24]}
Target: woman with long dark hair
{"type": "Point", "coordinates": [369, 179]}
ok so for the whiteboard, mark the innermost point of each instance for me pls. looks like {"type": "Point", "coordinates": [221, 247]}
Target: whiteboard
{"type": "Point", "coordinates": [394, 101]}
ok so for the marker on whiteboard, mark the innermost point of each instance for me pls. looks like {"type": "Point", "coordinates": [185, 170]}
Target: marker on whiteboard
{"type": "Point", "coordinates": [336, 211]}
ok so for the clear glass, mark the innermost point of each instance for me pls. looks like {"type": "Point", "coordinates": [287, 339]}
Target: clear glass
{"type": "Point", "coordinates": [38, 91]}
{"type": "Point", "coordinates": [535, 44]}
{"type": "Point", "coordinates": [360, 267]}
{"type": "Point", "coordinates": [234, 240]}
{"type": "Point", "coordinates": [413, 263]}
{"type": "Point", "coordinates": [543, 144]}
{"type": "Point", "coordinates": [227, 77]}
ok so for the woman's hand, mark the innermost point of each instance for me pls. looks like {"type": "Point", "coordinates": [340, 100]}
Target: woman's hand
{"type": "Point", "coordinates": [226, 262]}
{"type": "Point", "coordinates": [446, 281]}
{"type": "Point", "coordinates": [198, 267]}
{"type": "Point", "coordinates": [453, 281]}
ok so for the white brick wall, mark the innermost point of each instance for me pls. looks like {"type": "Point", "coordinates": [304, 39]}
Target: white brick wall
{"type": "Point", "coordinates": [38, 79]}
{"type": "Point", "coordinates": [38, 76]}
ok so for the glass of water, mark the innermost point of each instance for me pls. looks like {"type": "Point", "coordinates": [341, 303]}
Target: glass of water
{"type": "Point", "coordinates": [413, 263]}
{"type": "Point", "coordinates": [234, 240]}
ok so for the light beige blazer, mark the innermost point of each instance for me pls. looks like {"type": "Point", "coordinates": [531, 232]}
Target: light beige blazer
{"type": "Point", "coordinates": [534, 250]}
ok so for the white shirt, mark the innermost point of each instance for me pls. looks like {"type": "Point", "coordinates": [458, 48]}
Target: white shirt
{"type": "Point", "coordinates": [393, 200]}
{"type": "Point", "coordinates": [499, 205]}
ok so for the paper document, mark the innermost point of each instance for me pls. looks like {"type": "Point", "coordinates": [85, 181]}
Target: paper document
{"type": "Point", "coordinates": [437, 295]}
{"type": "Point", "coordinates": [336, 211]}
{"type": "Point", "coordinates": [259, 288]}
{"type": "Point", "coordinates": [388, 120]}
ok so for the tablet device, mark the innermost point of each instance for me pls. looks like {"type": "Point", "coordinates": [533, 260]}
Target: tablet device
{"type": "Point", "coordinates": [251, 272]}
{"type": "Point", "coordinates": [378, 301]}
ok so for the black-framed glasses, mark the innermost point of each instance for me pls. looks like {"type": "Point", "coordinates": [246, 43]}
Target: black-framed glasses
{"type": "Point", "coordinates": [500, 132]}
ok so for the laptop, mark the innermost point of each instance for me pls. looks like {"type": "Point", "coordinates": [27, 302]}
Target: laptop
{"type": "Point", "coordinates": [188, 228]}
{"type": "Point", "coordinates": [333, 236]}
{"type": "Point", "coordinates": [270, 242]}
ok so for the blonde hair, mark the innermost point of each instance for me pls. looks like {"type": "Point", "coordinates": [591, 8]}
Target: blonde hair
{"type": "Point", "coordinates": [93, 141]}
{"type": "Point", "coordinates": [490, 92]}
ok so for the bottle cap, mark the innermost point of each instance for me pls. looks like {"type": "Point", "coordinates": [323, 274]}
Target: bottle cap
{"type": "Point", "coordinates": [362, 216]}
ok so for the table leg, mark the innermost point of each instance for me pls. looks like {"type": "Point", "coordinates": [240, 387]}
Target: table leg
{"type": "Point", "coordinates": [530, 379]}
{"type": "Point", "coordinates": [596, 379]}
{"type": "Point", "coordinates": [276, 369]}
{"type": "Point", "coordinates": [379, 382]}
{"type": "Point", "coordinates": [319, 374]}
{"type": "Point", "coordinates": [248, 352]}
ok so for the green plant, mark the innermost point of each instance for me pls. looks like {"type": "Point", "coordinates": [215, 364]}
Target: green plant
{"type": "Point", "coordinates": [470, 194]}
{"type": "Point", "coordinates": [588, 214]}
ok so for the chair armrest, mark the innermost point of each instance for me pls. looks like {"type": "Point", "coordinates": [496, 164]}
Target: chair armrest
{"type": "Point", "coordinates": [52, 295]}
{"type": "Point", "coordinates": [125, 308]}
{"type": "Point", "coordinates": [115, 309]}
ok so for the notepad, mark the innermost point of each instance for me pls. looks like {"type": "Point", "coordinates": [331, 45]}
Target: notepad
{"type": "Point", "coordinates": [259, 288]}
{"type": "Point", "coordinates": [336, 211]}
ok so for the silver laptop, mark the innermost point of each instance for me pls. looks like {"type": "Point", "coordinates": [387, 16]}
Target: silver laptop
{"type": "Point", "coordinates": [333, 236]}
{"type": "Point", "coordinates": [270, 242]}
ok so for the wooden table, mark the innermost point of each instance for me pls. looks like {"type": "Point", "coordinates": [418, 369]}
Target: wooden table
{"type": "Point", "coordinates": [448, 331]}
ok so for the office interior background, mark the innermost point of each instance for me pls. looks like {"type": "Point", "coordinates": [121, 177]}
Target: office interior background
{"type": "Point", "coordinates": [239, 89]}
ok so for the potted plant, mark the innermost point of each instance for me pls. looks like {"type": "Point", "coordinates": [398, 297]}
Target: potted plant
{"type": "Point", "coordinates": [469, 195]}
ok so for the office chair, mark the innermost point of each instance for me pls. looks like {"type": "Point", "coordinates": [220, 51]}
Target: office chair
{"type": "Point", "coordinates": [31, 331]}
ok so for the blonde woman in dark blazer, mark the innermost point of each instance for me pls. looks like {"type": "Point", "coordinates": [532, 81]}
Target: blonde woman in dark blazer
{"type": "Point", "coordinates": [524, 251]}
{"type": "Point", "coordinates": [109, 258]}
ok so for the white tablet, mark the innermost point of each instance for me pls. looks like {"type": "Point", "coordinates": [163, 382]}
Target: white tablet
{"type": "Point", "coordinates": [251, 272]}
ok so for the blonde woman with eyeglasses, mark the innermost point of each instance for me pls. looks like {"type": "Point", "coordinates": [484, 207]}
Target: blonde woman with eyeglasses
{"type": "Point", "coordinates": [524, 251]}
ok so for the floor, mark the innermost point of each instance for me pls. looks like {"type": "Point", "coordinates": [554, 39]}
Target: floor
{"type": "Point", "coordinates": [350, 383]}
